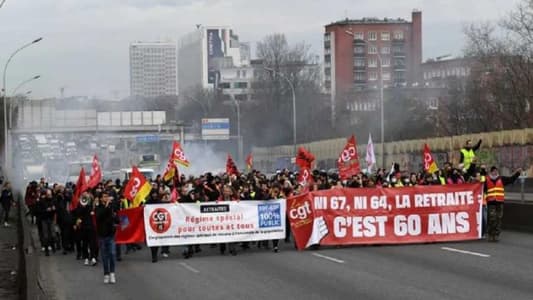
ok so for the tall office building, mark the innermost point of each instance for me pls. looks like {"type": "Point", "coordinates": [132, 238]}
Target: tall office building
{"type": "Point", "coordinates": [153, 69]}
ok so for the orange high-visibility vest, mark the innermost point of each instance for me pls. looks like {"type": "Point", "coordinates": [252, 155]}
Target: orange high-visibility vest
{"type": "Point", "coordinates": [495, 190]}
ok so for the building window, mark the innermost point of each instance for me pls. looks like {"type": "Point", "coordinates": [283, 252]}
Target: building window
{"type": "Point", "coordinates": [238, 73]}
{"type": "Point", "coordinates": [433, 103]}
{"type": "Point", "coordinates": [359, 49]}
{"type": "Point", "coordinates": [372, 62]}
{"type": "Point", "coordinates": [224, 85]}
{"type": "Point", "coordinates": [385, 50]}
{"type": "Point", "coordinates": [243, 73]}
{"type": "Point", "coordinates": [398, 35]}
{"type": "Point", "coordinates": [358, 36]}
{"type": "Point", "coordinates": [372, 76]}
{"type": "Point", "coordinates": [372, 36]}
{"type": "Point", "coordinates": [385, 36]}
{"type": "Point", "coordinates": [385, 61]}
{"type": "Point", "coordinates": [327, 37]}
{"type": "Point", "coordinates": [398, 50]}
{"type": "Point", "coordinates": [327, 58]}
{"type": "Point", "coordinates": [360, 76]}
{"type": "Point", "coordinates": [359, 62]}
{"type": "Point", "coordinates": [386, 75]}
{"type": "Point", "coordinates": [372, 50]}
{"type": "Point", "coordinates": [240, 85]}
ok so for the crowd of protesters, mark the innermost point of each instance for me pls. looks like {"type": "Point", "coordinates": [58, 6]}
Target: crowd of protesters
{"type": "Point", "coordinates": [73, 229]}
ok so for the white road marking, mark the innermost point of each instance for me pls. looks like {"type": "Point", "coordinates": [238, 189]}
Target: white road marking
{"type": "Point", "coordinates": [186, 266]}
{"type": "Point", "coordinates": [339, 261]}
{"type": "Point", "coordinates": [465, 252]}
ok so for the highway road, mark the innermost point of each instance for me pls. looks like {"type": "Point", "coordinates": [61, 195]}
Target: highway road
{"type": "Point", "coordinates": [466, 270]}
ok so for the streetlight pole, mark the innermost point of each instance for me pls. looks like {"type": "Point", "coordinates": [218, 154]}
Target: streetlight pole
{"type": "Point", "coordinates": [239, 137]}
{"type": "Point", "coordinates": [4, 98]}
{"type": "Point", "coordinates": [293, 106]}
{"type": "Point", "coordinates": [381, 102]}
{"type": "Point", "coordinates": [13, 97]}
{"type": "Point", "coordinates": [23, 83]}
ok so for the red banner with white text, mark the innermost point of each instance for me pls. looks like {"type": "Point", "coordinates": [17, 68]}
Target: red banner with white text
{"type": "Point", "coordinates": [386, 215]}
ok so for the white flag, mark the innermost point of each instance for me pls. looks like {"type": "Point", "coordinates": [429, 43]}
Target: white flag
{"type": "Point", "coordinates": [370, 156]}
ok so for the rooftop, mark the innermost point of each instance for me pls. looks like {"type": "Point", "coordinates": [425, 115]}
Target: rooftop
{"type": "Point", "coordinates": [369, 21]}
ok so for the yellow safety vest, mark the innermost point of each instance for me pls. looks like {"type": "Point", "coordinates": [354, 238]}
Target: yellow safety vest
{"type": "Point", "coordinates": [468, 157]}
{"type": "Point", "coordinates": [125, 203]}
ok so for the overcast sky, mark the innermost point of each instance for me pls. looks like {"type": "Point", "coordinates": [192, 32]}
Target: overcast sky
{"type": "Point", "coordinates": [85, 42]}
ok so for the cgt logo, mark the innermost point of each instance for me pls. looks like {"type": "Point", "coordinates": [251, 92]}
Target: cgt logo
{"type": "Point", "coordinates": [301, 212]}
{"type": "Point", "coordinates": [348, 154]}
{"type": "Point", "coordinates": [160, 220]}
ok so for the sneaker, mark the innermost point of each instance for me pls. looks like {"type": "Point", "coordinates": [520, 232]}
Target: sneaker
{"type": "Point", "coordinates": [42, 249]}
{"type": "Point", "coordinates": [276, 249]}
{"type": "Point", "coordinates": [106, 279]}
{"type": "Point", "coordinates": [50, 248]}
{"type": "Point", "coordinates": [6, 224]}
{"type": "Point", "coordinates": [112, 278]}
{"type": "Point", "coordinates": [165, 255]}
{"type": "Point", "coordinates": [93, 261]}
{"type": "Point", "coordinates": [86, 262]}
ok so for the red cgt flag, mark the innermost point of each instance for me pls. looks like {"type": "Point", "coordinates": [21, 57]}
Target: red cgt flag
{"type": "Point", "coordinates": [430, 165]}
{"type": "Point", "coordinates": [137, 188]}
{"type": "Point", "coordinates": [96, 174]}
{"type": "Point", "coordinates": [131, 226]}
{"type": "Point", "coordinates": [231, 168]}
{"type": "Point", "coordinates": [348, 162]}
{"type": "Point", "coordinates": [249, 161]}
{"type": "Point", "coordinates": [178, 156]}
{"type": "Point", "coordinates": [81, 186]}
{"type": "Point", "coordinates": [304, 158]}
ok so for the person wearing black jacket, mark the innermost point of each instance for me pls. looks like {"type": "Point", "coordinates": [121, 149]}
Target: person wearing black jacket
{"type": "Point", "coordinates": [7, 201]}
{"type": "Point", "coordinates": [47, 212]}
{"type": "Point", "coordinates": [84, 231]}
{"type": "Point", "coordinates": [64, 220]}
{"type": "Point", "coordinates": [106, 220]}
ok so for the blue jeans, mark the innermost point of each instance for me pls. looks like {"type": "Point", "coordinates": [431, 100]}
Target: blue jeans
{"type": "Point", "coordinates": [107, 248]}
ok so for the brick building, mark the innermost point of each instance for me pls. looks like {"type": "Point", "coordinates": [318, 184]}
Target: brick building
{"type": "Point", "coordinates": [353, 50]}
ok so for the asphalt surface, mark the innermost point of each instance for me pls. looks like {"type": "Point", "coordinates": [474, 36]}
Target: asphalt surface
{"type": "Point", "coordinates": [467, 270]}
{"type": "Point", "coordinates": [8, 257]}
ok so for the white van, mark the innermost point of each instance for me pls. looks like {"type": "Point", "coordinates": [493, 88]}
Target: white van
{"type": "Point", "coordinates": [75, 167]}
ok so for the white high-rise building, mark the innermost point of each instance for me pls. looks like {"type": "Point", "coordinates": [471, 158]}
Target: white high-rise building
{"type": "Point", "coordinates": [153, 69]}
{"type": "Point", "coordinates": [204, 52]}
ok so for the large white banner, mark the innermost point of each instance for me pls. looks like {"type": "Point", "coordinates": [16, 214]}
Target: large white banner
{"type": "Point", "coordinates": [214, 222]}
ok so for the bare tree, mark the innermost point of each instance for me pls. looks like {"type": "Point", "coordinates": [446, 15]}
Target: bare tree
{"type": "Point", "coordinates": [502, 85]}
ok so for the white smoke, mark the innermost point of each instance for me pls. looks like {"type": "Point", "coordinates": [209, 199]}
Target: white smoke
{"type": "Point", "coordinates": [203, 158]}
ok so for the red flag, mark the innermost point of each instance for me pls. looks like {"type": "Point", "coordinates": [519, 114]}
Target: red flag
{"type": "Point", "coordinates": [430, 165]}
{"type": "Point", "coordinates": [304, 159]}
{"type": "Point", "coordinates": [170, 170]}
{"type": "Point", "coordinates": [131, 227]}
{"type": "Point", "coordinates": [178, 156]}
{"type": "Point", "coordinates": [348, 162]}
{"type": "Point", "coordinates": [249, 161]}
{"type": "Point", "coordinates": [231, 168]}
{"type": "Point", "coordinates": [81, 186]}
{"type": "Point", "coordinates": [96, 174]}
{"type": "Point", "coordinates": [137, 188]}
